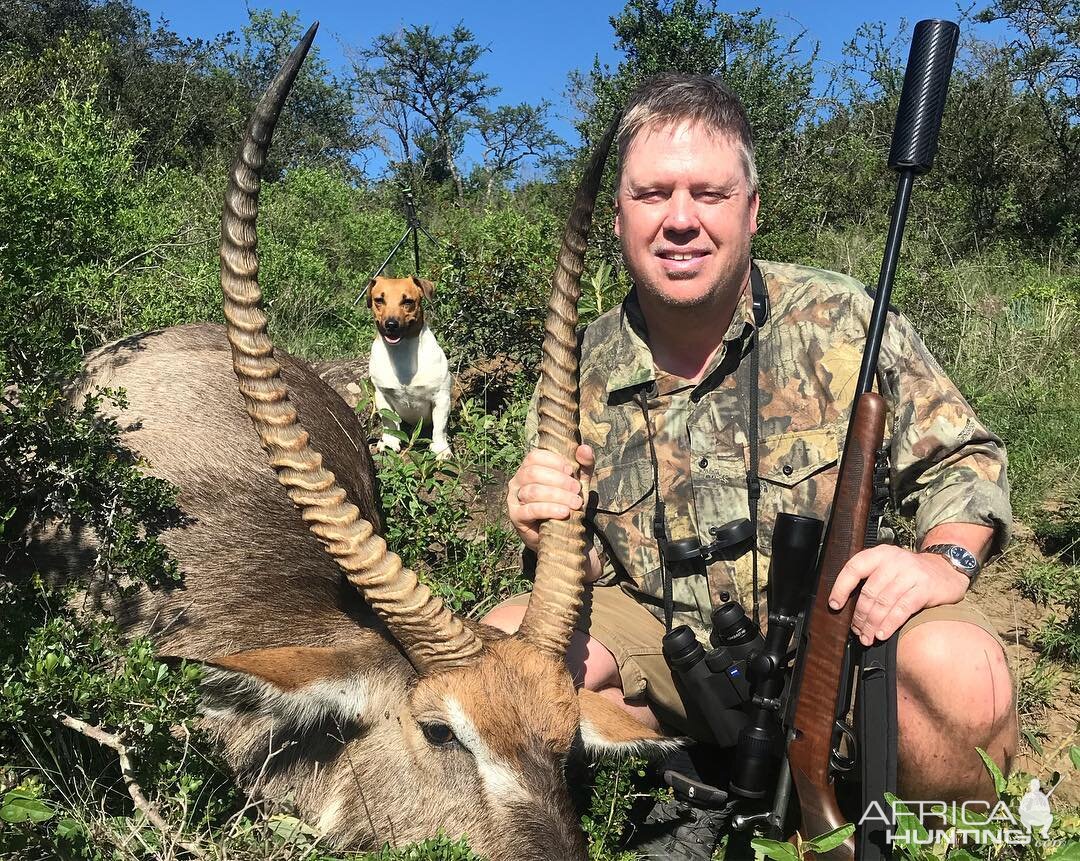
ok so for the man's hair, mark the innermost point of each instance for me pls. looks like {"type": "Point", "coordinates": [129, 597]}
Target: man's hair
{"type": "Point", "coordinates": [671, 98]}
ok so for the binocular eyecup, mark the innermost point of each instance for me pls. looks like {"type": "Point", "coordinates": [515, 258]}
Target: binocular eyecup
{"type": "Point", "coordinates": [713, 684]}
{"type": "Point", "coordinates": [724, 537]}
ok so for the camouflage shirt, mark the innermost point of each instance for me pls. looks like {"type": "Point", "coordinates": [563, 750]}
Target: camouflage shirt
{"type": "Point", "coordinates": [945, 465]}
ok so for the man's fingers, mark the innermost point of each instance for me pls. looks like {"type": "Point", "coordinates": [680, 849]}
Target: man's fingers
{"type": "Point", "coordinates": [529, 495]}
{"type": "Point", "coordinates": [546, 476]}
{"type": "Point", "coordinates": [587, 461]}
{"type": "Point", "coordinates": [858, 568]}
{"type": "Point", "coordinates": [906, 606]}
{"type": "Point", "coordinates": [545, 458]}
{"type": "Point", "coordinates": [879, 594]}
{"type": "Point", "coordinates": [536, 512]}
{"type": "Point", "coordinates": [585, 457]}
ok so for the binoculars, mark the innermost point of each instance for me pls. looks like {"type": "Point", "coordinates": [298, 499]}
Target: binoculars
{"type": "Point", "coordinates": [736, 687]}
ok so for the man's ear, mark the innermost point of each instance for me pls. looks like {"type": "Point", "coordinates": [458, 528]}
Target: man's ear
{"type": "Point", "coordinates": [606, 728]}
{"type": "Point", "coordinates": [755, 201]}
{"type": "Point", "coordinates": [618, 223]}
{"type": "Point", "coordinates": [371, 284]}
{"type": "Point", "coordinates": [428, 287]}
{"type": "Point", "coordinates": [299, 686]}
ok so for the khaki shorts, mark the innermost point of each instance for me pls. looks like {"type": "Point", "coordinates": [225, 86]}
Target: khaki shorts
{"type": "Point", "coordinates": [632, 634]}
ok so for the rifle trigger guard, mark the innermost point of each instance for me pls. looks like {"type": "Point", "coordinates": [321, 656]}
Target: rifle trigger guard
{"type": "Point", "coordinates": [840, 764]}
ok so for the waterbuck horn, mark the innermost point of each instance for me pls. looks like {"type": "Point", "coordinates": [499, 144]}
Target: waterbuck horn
{"type": "Point", "coordinates": [431, 636]}
{"type": "Point", "coordinates": [560, 571]}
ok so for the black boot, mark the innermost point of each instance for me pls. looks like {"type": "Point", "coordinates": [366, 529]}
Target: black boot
{"type": "Point", "coordinates": [674, 828]}
{"type": "Point", "coordinates": [677, 831]}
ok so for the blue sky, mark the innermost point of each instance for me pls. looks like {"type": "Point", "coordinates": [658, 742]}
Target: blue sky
{"type": "Point", "coordinates": [535, 45]}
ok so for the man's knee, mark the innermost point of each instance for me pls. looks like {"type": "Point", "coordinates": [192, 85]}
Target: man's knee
{"type": "Point", "coordinates": [505, 617]}
{"type": "Point", "coordinates": [956, 672]}
{"type": "Point", "coordinates": [590, 662]}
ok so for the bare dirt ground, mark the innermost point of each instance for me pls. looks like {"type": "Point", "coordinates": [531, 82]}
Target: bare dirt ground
{"type": "Point", "coordinates": [1056, 728]}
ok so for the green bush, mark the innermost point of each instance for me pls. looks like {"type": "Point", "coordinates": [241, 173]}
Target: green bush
{"type": "Point", "coordinates": [493, 283]}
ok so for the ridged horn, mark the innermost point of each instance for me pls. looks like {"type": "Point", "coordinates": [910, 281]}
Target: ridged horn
{"type": "Point", "coordinates": [432, 637]}
{"type": "Point", "coordinates": [560, 570]}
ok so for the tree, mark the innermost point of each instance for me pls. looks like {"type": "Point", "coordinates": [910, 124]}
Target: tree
{"type": "Point", "coordinates": [510, 134]}
{"type": "Point", "coordinates": [151, 82]}
{"type": "Point", "coordinates": [1045, 59]}
{"type": "Point", "coordinates": [320, 126]}
{"type": "Point", "coordinates": [187, 99]}
{"type": "Point", "coordinates": [772, 75]}
{"type": "Point", "coordinates": [423, 88]}
{"type": "Point", "coordinates": [994, 176]}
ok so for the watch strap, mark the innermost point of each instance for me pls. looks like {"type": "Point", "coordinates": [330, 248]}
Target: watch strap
{"type": "Point", "coordinates": [950, 553]}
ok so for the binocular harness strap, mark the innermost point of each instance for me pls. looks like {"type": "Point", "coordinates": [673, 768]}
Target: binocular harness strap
{"type": "Point", "coordinates": [760, 301]}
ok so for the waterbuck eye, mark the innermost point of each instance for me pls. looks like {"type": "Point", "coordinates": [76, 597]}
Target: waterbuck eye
{"type": "Point", "coordinates": [439, 734]}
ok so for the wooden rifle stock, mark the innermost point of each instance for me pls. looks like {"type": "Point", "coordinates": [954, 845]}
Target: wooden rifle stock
{"type": "Point", "coordinates": [827, 631]}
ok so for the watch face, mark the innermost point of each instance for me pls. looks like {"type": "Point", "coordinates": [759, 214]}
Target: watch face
{"type": "Point", "coordinates": [962, 558]}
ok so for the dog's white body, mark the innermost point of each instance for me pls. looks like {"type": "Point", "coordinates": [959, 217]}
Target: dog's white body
{"type": "Point", "coordinates": [412, 378]}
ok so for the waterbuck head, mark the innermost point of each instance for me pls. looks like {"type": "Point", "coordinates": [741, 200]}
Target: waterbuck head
{"type": "Point", "coordinates": [422, 721]}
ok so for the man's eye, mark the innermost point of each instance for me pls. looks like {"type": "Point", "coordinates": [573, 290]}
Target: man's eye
{"type": "Point", "coordinates": [438, 734]}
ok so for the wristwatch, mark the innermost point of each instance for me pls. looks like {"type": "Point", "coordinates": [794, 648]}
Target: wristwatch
{"type": "Point", "coordinates": [960, 558]}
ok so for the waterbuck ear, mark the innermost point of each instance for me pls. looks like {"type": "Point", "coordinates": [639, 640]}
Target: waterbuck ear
{"type": "Point", "coordinates": [299, 686]}
{"type": "Point", "coordinates": [606, 728]}
{"type": "Point", "coordinates": [428, 287]}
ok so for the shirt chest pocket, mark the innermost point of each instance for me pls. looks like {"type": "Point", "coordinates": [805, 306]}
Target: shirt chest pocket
{"type": "Point", "coordinates": [798, 472]}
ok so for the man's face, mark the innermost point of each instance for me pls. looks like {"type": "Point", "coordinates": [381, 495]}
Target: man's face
{"type": "Point", "coordinates": [685, 216]}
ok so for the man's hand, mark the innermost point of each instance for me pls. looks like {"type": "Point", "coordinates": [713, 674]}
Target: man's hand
{"type": "Point", "coordinates": [544, 488]}
{"type": "Point", "coordinates": [897, 584]}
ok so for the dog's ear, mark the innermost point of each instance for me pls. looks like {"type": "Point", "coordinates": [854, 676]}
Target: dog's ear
{"type": "Point", "coordinates": [371, 284]}
{"type": "Point", "coordinates": [427, 286]}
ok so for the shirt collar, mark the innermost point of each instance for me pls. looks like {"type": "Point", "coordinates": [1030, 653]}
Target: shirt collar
{"type": "Point", "coordinates": [637, 368]}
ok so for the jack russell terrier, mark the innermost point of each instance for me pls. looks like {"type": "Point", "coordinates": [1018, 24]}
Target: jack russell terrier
{"type": "Point", "coordinates": [408, 367]}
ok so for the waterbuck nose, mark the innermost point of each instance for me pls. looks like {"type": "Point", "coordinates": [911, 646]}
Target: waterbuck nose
{"type": "Point", "coordinates": [392, 325]}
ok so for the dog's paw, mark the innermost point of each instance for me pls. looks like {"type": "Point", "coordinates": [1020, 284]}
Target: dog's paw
{"type": "Point", "coordinates": [442, 452]}
{"type": "Point", "coordinates": [388, 442]}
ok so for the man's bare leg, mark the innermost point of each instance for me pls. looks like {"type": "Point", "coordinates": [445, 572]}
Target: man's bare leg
{"type": "Point", "coordinates": [954, 694]}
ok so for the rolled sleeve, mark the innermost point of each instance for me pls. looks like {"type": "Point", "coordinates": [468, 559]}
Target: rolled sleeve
{"type": "Point", "coordinates": [948, 466]}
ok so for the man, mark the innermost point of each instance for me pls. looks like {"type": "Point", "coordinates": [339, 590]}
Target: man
{"type": "Point", "coordinates": [666, 383]}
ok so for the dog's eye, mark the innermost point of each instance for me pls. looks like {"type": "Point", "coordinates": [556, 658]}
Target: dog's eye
{"type": "Point", "coordinates": [408, 303]}
{"type": "Point", "coordinates": [438, 734]}
{"type": "Point", "coordinates": [379, 300]}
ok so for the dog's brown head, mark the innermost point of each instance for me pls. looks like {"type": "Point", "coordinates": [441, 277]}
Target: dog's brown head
{"type": "Point", "coordinates": [397, 304]}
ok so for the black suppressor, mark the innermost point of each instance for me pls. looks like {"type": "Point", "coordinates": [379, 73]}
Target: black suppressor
{"type": "Point", "coordinates": [796, 541]}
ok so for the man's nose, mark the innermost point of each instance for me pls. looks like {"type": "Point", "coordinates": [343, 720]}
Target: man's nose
{"type": "Point", "coordinates": [681, 213]}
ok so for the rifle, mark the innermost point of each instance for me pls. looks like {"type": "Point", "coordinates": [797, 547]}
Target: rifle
{"type": "Point", "coordinates": [826, 635]}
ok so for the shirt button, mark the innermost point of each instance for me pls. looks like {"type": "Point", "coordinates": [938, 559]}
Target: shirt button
{"type": "Point", "coordinates": [787, 470]}
{"type": "Point", "coordinates": [704, 462]}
